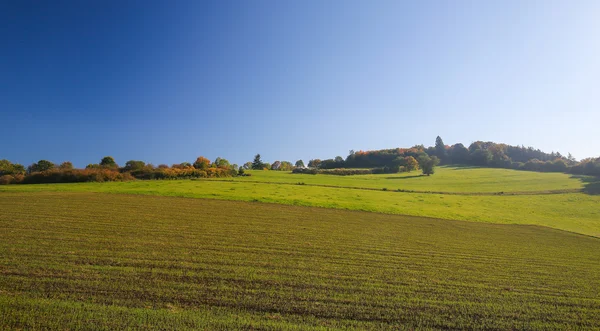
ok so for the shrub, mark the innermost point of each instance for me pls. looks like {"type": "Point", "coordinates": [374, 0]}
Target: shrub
{"type": "Point", "coordinates": [6, 179]}
{"type": "Point", "coordinates": [76, 175]}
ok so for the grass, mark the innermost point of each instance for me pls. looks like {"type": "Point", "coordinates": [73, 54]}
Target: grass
{"type": "Point", "coordinates": [571, 211]}
{"type": "Point", "coordinates": [446, 179]}
{"type": "Point", "coordinates": [130, 261]}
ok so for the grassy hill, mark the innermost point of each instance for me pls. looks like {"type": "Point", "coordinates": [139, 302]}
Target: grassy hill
{"type": "Point", "coordinates": [446, 179]}
{"type": "Point", "coordinates": [169, 263]}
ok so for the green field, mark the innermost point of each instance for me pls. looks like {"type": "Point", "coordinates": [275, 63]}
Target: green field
{"type": "Point", "coordinates": [446, 179]}
{"type": "Point", "coordinates": [548, 199]}
{"type": "Point", "coordinates": [128, 261]}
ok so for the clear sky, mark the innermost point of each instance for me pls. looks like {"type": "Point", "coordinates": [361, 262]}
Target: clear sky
{"type": "Point", "coordinates": [165, 82]}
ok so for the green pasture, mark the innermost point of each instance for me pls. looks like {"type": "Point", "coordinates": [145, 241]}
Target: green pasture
{"type": "Point", "coordinates": [445, 179]}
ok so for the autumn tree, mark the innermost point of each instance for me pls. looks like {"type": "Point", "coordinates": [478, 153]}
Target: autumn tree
{"type": "Point", "coordinates": [410, 163]}
{"type": "Point", "coordinates": [314, 163]}
{"type": "Point", "coordinates": [66, 166]}
{"type": "Point", "coordinates": [202, 163]}
{"type": "Point", "coordinates": [276, 165]}
{"type": "Point", "coordinates": [286, 166]}
{"type": "Point", "coordinates": [9, 168]}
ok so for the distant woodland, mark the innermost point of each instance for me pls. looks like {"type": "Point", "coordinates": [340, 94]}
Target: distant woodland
{"type": "Point", "coordinates": [478, 154]}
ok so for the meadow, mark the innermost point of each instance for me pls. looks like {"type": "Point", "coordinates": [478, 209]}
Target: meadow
{"type": "Point", "coordinates": [473, 194]}
{"type": "Point", "coordinates": [80, 260]}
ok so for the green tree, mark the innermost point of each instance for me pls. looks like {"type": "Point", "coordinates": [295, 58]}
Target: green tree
{"type": "Point", "coordinates": [132, 165]}
{"type": "Point", "coordinates": [459, 154]}
{"type": "Point", "coordinates": [257, 164]}
{"type": "Point", "coordinates": [247, 165]}
{"type": "Point", "coordinates": [222, 163]}
{"type": "Point", "coordinates": [41, 165]}
{"type": "Point", "coordinates": [299, 164]}
{"type": "Point", "coordinates": [108, 162]}
{"type": "Point", "coordinates": [440, 149]}
{"type": "Point", "coordinates": [66, 166]}
{"type": "Point", "coordinates": [428, 164]}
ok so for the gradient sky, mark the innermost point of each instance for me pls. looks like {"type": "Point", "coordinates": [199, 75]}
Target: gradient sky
{"type": "Point", "coordinates": [165, 82]}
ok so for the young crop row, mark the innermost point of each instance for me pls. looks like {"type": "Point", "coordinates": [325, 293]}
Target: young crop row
{"type": "Point", "coordinates": [198, 263]}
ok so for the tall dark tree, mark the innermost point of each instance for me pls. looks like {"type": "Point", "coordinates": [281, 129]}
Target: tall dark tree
{"type": "Point", "coordinates": [440, 149]}
{"type": "Point", "coordinates": [257, 164]}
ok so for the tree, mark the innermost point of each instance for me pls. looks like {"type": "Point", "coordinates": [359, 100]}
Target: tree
{"type": "Point", "coordinates": [41, 165]}
{"type": "Point", "coordinates": [481, 157]}
{"type": "Point", "coordinates": [427, 164]}
{"type": "Point", "coordinates": [410, 163]}
{"type": "Point", "coordinates": [266, 166]}
{"type": "Point", "coordinates": [66, 166]}
{"type": "Point", "coordinates": [241, 171]}
{"type": "Point", "coordinates": [108, 162]}
{"type": "Point", "coordinates": [221, 163]}
{"type": "Point", "coordinates": [257, 164]}
{"type": "Point", "coordinates": [440, 149]}
{"type": "Point", "coordinates": [9, 168]}
{"type": "Point", "coordinates": [299, 164]}
{"type": "Point", "coordinates": [247, 165]}
{"type": "Point", "coordinates": [201, 163]}
{"type": "Point", "coordinates": [314, 163]}
{"type": "Point", "coordinates": [459, 154]}
{"type": "Point", "coordinates": [276, 165]}
{"type": "Point", "coordinates": [286, 166]}
{"type": "Point", "coordinates": [134, 165]}
{"type": "Point", "coordinates": [183, 165]}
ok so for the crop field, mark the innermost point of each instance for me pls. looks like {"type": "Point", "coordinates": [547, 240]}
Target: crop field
{"type": "Point", "coordinates": [80, 260]}
{"type": "Point", "coordinates": [513, 197]}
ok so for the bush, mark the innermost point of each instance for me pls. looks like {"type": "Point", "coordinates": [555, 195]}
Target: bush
{"type": "Point", "coordinates": [75, 176]}
{"type": "Point", "coordinates": [6, 179]}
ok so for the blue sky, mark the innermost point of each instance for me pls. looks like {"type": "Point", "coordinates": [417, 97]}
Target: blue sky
{"type": "Point", "coordinates": [165, 82]}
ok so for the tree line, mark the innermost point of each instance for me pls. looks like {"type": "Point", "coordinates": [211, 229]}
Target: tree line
{"type": "Point", "coordinates": [419, 157]}
{"type": "Point", "coordinates": [479, 153]}
{"type": "Point", "coordinates": [107, 169]}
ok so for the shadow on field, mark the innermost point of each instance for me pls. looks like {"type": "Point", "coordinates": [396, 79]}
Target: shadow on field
{"type": "Point", "coordinates": [591, 185]}
{"type": "Point", "coordinates": [405, 177]}
{"type": "Point", "coordinates": [462, 167]}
